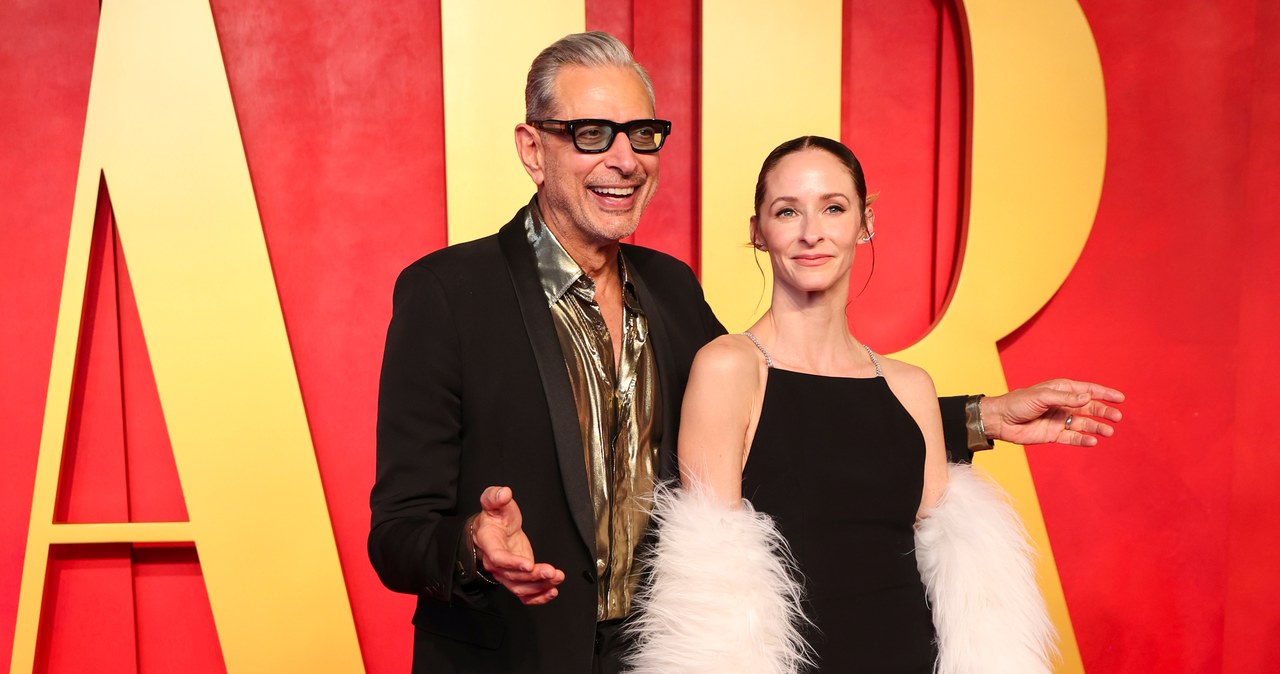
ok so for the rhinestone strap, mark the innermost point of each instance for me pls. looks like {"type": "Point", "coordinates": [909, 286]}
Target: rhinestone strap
{"type": "Point", "coordinates": [768, 361]}
{"type": "Point", "coordinates": [874, 360]}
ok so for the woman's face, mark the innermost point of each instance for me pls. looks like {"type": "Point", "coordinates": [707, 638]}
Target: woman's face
{"type": "Point", "coordinates": [810, 221]}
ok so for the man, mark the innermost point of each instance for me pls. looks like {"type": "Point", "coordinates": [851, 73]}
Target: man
{"type": "Point", "coordinates": [546, 364]}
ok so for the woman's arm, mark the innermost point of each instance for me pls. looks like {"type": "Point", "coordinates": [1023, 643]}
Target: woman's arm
{"type": "Point", "coordinates": [722, 594]}
{"type": "Point", "coordinates": [914, 388]}
{"type": "Point", "coordinates": [721, 405]}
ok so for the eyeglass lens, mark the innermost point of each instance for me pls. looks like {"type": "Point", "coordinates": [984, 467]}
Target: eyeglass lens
{"type": "Point", "coordinates": [644, 136]}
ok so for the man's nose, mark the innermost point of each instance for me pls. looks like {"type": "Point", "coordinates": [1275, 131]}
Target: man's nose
{"type": "Point", "coordinates": [620, 156]}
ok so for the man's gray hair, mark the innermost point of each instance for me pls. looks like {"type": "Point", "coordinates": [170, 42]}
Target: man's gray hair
{"type": "Point", "coordinates": [593, 50]}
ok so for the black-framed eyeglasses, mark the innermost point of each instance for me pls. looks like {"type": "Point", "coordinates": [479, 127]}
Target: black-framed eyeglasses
{"type": "Point", "coordinates": [593, 136]}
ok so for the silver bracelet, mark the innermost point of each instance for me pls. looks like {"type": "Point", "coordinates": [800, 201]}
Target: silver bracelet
{"type": "Point", "coordinates": [476, 567]}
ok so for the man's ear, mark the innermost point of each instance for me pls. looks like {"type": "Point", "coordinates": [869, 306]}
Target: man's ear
{"type": "Point", "coordinates": [529, 147]}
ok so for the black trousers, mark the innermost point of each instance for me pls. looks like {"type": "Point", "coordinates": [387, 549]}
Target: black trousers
{"type": "Point", "coordinates": [612, 643]}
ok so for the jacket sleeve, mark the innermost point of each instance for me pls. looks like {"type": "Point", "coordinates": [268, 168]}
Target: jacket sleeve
{"type": "Point", "coordinates": [954, 431]}
{"type": "Point", "coordinates": [416, 527]}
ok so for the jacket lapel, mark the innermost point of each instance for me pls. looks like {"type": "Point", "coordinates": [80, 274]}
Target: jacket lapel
{"type": "Point", "coordinates": [660, 340]}
{"type": "Point", "coordinates": [555, 379]}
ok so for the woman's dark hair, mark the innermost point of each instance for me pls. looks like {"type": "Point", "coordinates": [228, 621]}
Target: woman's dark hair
{"type": "Point", "coordinates": [834, 147]}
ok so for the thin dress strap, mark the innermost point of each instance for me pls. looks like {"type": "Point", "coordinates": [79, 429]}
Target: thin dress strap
{"type": "Point", "coordinates": [874, 360]}
{"type": "Point", "coordinates": [768, 361]}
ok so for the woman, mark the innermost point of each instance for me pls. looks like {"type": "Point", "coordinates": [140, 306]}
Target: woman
{"type": "Point", "coordinates": [843, 449]}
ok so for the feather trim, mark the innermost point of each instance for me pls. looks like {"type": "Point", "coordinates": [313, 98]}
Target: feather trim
{"type": "Point", "coordinates": [979, 574]}
{"type": "Point", "coordinates": [723, 594]}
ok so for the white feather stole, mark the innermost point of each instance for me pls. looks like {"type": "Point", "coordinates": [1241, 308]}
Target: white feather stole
{"type": "Point", "coordinates": [722, 594]}
{"type": "Point", "coordinates": [979, 575]}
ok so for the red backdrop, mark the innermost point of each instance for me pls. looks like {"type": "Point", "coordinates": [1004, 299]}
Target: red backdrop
{"type": "Point", "coordinates": [1166, 537]}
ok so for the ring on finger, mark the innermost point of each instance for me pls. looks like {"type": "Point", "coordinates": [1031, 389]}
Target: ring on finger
{"type": "Point", "coordinates": [1070, 417]}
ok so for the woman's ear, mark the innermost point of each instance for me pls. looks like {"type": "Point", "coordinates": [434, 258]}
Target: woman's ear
{"type": "Point", "coordinates": [868, 225]}
{"type": "Point", "coordinates": [757, 241]}
{"type": "Point", "coordinates": [529, 147]}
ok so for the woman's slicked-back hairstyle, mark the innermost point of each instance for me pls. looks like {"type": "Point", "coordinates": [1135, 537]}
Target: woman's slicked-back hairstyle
{"type": "Point", "coordinates": [834, 147]}
{"type": "Point", "coordinates": [593, 49]}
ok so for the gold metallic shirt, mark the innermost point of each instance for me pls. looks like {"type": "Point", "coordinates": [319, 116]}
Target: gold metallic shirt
{"type": "Point", "coordinates": [618, 410]}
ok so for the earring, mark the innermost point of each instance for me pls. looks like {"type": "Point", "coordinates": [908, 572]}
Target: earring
{"type": "Point", "coordinates": [759, 246]}
{"type": "Point", "coordinates": [866, 238]}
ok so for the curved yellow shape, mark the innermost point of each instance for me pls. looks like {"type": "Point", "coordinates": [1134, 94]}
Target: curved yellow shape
{"type": "Point", "coordinates": [1039, 137]}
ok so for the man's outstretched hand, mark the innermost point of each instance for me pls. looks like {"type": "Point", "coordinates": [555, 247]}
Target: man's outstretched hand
{"type": "Point", "coordinates": [1039, 413]}
{"type": "Point", "coordinates": [505, 552]}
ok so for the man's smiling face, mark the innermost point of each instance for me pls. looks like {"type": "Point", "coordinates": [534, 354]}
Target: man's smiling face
{"type": "Point", "coordinates": [596, 197]}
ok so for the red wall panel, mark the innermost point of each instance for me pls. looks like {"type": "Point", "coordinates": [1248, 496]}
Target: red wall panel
{"type": "Point", "coordinates": [46, 57]}
{"type": "Point", "coordinates": [1159, 305]}
{"type": "Point", "coordinates": [902, 113]}
{"type": "Point", "coordinates": [1253, 614]}
{"type": "Point", "coordinates": [667, 34]}
{"type": "Point", "coordinates": [341, 115]}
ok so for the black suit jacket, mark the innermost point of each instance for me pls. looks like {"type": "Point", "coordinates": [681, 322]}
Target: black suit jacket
{"type": "Point", "coordinates": [474, 393]}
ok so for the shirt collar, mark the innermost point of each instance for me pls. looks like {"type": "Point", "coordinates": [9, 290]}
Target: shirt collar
{"type": "Point", "coordinates": [557, 270]}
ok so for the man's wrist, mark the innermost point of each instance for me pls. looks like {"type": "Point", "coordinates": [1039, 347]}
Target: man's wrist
{"type": "Point", "coordinates": [470, 566]}
{"type": "Point", "coordinates": [976, 430]}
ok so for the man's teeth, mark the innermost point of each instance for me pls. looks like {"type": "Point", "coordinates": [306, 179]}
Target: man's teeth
{"type": "Point", "coordinates": [614, 191]}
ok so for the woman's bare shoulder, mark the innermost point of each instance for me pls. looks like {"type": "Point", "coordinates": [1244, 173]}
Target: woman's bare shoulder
{"type": "Point", "coordinates": [729, 355]}
{"type": "Point", "coordinates": [908, 379]}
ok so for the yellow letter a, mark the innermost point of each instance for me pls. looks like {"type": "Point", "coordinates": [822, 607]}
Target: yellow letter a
{"type": "Point", "coordinates": [161, 126]}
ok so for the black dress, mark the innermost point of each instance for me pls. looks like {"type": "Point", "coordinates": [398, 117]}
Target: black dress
{"type": "Point", "coordinates": [839, 463]}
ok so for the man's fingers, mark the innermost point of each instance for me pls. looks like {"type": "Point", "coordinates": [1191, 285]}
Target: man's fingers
{"type": "Point", "coordinates": [1100, 392]}
{"type": "Point", "coordinates": [499, 503]}
{"type": "Point", "coordinates": [1092, 390]}
{"type": "Point", "coordinates": [1102, 410]}
{"type": "Point", "coordinates": [523, 590]}
{"type": "Point", "coordinates": [1082, 424]}
{"type": "Point", "coordinates": [1045, 397]}
{"type": "Point", "coordinates": [531, 592]}
{"type": "Point", "coordinates": [495, 498]}
{"type": "Point", "coordinates": [539, 599]}
{"type": "Point", "coordinates": [499, 561]}
{"type": "Point", "coordinates": [548, 573]}
{"type": "Point", "coordinates": [1076, 438]}
{"type": "Point", "coordinates": [526, 588]}
{"type": "Point", "coordinates": [1080, 397]}
{"type": "Point", "coordinates": [541, 573]}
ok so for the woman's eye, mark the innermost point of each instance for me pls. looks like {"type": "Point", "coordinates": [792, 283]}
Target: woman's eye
{"type": "Point", "coordinates": [785, 213]}
{"type": "Point", "coordinates": [835, 208]}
